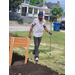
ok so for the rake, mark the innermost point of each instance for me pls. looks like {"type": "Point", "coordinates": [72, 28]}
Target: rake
{"type": "Point", "coordinates": [50, 35]}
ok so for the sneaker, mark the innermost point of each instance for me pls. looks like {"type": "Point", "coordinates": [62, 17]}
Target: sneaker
{"type": "Point", "coordinates": [36, 59]}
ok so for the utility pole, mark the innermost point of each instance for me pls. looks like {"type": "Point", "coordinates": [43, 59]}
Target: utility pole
{"type": "Point", "coordinates": [44, 8]}
{"type": "Point", "coordinates": [44, 3]}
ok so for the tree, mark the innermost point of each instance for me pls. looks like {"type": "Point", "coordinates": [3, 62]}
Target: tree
{"type": "Point", "coordinates": [36, 2]}
{"type": "Point", "coordinates": [56, 11]}
{"type": "Point", "coordinates": [13, 4]}
{"type": "Point", "coordinates": [64, 12]}
{"type": "Point", "coordinates": [49, 2]}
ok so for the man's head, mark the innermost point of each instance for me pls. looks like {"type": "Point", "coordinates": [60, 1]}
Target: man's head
{"type": "Point", "coordinates": [40, 16]}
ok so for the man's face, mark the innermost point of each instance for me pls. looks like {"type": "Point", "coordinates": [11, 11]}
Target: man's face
{"type": "Point", "coordinates": [40, 16]}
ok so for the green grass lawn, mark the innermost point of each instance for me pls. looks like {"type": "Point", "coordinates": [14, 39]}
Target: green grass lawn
{"type": "Point", "coordinates": [56, 61]}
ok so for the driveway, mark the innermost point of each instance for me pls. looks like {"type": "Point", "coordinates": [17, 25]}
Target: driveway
{"type": "Point", "coordinates": [62, 30]}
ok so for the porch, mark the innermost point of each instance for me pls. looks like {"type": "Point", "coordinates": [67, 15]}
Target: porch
{"type": "Point", "coordinates": [28, 11]}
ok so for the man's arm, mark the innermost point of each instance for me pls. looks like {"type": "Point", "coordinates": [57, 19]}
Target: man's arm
{"type": "Point", "coordinates": [31, 30]}
{"type": "Point", "coordinates": [47, 30]}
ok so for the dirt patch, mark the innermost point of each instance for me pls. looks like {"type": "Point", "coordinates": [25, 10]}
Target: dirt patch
{"type": "Point", "coordinates": [31, 48]}
{"type": "Point", "coordinates": [32, 44]}
{"type": "Point", "coordinates": [19, 68]}
{"type": "Point", "coordinates": [56, 52]}
{"type": "Point", "coordinates": [44, 44]}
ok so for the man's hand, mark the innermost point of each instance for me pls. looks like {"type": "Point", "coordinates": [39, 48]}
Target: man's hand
{"type": "Point", "coordinates": [30, 36]}
{"type": "Point", "coordinates": [50, 33]}
{"type": "Point", "coordinates": [47, 30]}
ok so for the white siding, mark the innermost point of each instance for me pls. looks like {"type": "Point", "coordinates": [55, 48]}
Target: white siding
{"type": "Point", "coordinates": [30, 15]}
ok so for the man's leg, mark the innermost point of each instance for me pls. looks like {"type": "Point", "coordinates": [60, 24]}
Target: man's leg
{"type": "Point", "coordinates": [39, 40]}
{"type": "Point", "coordinates": [36, 51]}
{"type": "Point", "coordinates": [34, 45]}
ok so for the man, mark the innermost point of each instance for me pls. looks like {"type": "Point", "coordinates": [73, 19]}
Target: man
{"type": "Point", "coordinates": [38, 24]}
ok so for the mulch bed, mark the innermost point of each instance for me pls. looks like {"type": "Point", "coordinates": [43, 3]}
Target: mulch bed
{"type": "Point", "coordinates": [19, 68]}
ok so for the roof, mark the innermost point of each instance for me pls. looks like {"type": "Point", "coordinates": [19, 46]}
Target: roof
{"type": "Point", "coordinates": [31, 6]}
{"type": "Point", "coordinates": [47, 13]}
{"type": "Point", "coordinates": [49, 5]}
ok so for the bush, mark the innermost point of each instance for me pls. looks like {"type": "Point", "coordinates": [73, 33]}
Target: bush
{"type": "Point", "coordinates": [16, 34]}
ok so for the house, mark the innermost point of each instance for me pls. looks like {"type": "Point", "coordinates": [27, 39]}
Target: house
{"type": "Point", "coordinates": [29, 12]}
{"type": "Point", "coordinates": [47, 12]}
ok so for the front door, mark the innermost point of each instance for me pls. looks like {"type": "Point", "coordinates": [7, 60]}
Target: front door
{"type": "Point", "coordinates": [24, 10]}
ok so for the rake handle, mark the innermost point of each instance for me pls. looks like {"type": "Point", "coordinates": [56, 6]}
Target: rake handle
{"type": "Point", "coordinates": [50, 35]}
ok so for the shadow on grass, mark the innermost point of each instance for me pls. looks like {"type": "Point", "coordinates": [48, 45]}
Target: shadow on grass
{"type": "Point", "coordinates": [48, 55]}
{"type": "Point", "coordinates": [21, 21]}
{"type": "Point", "coordinates": [44, 52]}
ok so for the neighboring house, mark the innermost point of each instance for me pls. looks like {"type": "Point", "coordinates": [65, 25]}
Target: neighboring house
{"type": "Point", "coordinates": [47, 12]}
{"type": "Point", "coordinates": [29, 12]}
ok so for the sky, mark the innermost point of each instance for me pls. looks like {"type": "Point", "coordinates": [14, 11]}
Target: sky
{"type": "Point", "coordinates": [62, 3]}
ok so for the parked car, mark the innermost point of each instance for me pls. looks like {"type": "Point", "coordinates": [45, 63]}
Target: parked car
{"type": "Point", "coordinates": [62, 26]}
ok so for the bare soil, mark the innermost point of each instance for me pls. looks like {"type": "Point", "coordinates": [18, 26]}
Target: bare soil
{"type": "Point", "coordinates": [19, 68]}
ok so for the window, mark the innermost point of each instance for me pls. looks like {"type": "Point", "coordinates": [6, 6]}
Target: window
{"type": "Point", "coordinates": [30, 10]}
{"type": "Point", "coordinates": [35, 11]}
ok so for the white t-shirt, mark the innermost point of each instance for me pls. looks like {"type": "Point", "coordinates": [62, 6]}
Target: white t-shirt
{"type": "Point", "coordinates": [38, 28]}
